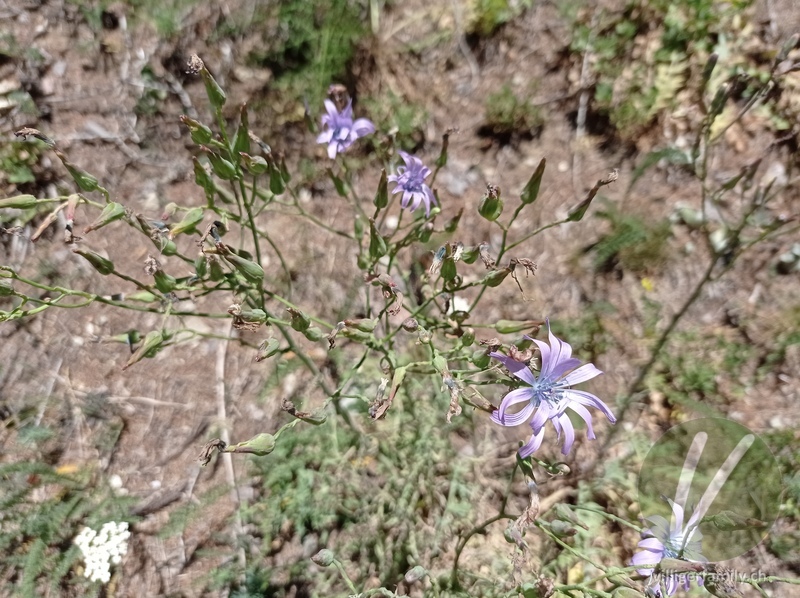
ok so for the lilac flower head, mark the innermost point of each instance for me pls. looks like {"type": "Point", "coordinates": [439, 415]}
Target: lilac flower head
{"type": "Point", "coordinates": [669, 540]}
{"type": "Point", "coordinates": [550, 394]}
{"type": "Point", "coordinates": [410, 181]}
{"type": "Point", "coordinates": [341, 131]}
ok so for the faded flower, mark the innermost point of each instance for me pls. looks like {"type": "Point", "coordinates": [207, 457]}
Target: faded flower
{"type": "Point", "coordinates": [549, 395]}
{"type": "Point", "coordinates": [340, 129]}
{"type": "Point", "coordinates": [410, 181]}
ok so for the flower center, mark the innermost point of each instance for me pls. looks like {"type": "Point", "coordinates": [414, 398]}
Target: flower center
{"type": "Point", "coordinates": [545, 390]}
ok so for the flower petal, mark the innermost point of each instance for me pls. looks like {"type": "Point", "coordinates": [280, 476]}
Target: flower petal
{"type": "Point", "coordinates": [517, 368]}
{"type": "Point", "coordinates": [569, 433]}
{"type": "Point", "coordinates": [513, 419]}
{"type": "Point", "coordinates": [516, 396]}
{"type": "Point", "coordinates": [587, 398]}
{"type": "Point", "coordinates": [582, 374]}
{"type": "Point", "coordinates": [532, 445]}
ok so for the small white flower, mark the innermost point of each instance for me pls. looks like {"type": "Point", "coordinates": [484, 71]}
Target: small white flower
{"type": "Point", "coordinates": [102, 549]}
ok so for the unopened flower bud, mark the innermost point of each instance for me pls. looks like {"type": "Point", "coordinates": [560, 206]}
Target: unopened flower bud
{"type": "Point", "coordinates": [249, 269]}
{"type": "Point", "coordinates": [562, 529]}
{"type": "Point", "coordinates": [214, 92]}
{"type": "Point", "coordinates": [415, 574]}
{"type": "Point", "coordinates": [223, 168]}
{"type": "Point", "coordinates": [449, 271]}
{"type": "Point", "coordinates": [382, 195]}
{"type": "Point", "coordinates": [512, 326]}
{"type": "Point", "coordinates": [300, 321]}
{"type": "Point", "coordinates": [260, 445]}
{"type": "Point", "coordinates": [199, 132]}
{"type": "Point", "coordinates": [324, 558]}
{"type": "Point", "coordinates": [314, 334]}
{"type": "Point", "coordinates": [84, 180]}
{"type": "Point", "coordinates": [149, 347]}
{"type": "Point", "coordinates": [531, 190]}
{"type": "Point", "coordinates": [204, 180]}
{"type": "Point", "coordinates": [188, 223]}
{"type": "Point", "coordinates": [410, 324]}
{"type": "Point", "coordinates": [480, 358]}
{"type": "Point", "coordinates": [164, 282]}
{"type": "Point", "coordinates": [111, 212]}
{"type": "Point", "coordinates": [19, 202]}
{"type": "Point", "coordinates": [142, 296]}
{"type": "Point", "coordinates": [102, 264]}
{"type": "Point", "coordinates": [377, 244]}
{"type": "Point", "coordinates": [364, 324]}
{"type": "Point", "coordinates": [267, 349]}
{"type": "Point", "coordinates": [424, 336]}
{"type": "Point", "coordinates": [495, 277]}
{"type": "Point", "coordinates": [468, 337]}
{"type": "Point", "coordinates": [679, 566]}
{"type": "Point", "coordinates": [254, 164]}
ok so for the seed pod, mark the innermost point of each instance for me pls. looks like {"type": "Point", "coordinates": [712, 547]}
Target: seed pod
{"type": "Point", "coordinates": [111, 212]}
{"type": "Point", "coordinates": [415, 574]}
{"type": "Point", "coordinates": [449, 271]}
{"type": "Point", "coordinates": [468, 338]}
{"type": "Point", "coordinates": [276, 184]}
{"type": "Point", "coordinates": [377, 244]}
{"type": "Point", "coordinates": [267, 349]}
{"type": "Point", "coordinates": [103, 265]}
{"type": "Point", "coordinates": [204, 180]}
{"type": "Point", "coordinates": [84, 180]}
{"type": "Point", "coordinates": [470, 254]}
{"type": "Point", "coordinates": [241, 143]}
{"type": "Point", "coordinates": [221, 167]}
{"type": "Point", "coordinates": [324, 558]}
{"type": "Point", "coordinates": [355, 335]}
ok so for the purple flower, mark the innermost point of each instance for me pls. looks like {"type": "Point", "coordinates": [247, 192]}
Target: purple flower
{"type": "Point", "coordinates": [669, 540]}
{"type": "Point", "coordinates": [410, 180]}
{"type": "Point", "coordinates": [549, 395]}
{"type": "Point", "coordinates": [341, 131]}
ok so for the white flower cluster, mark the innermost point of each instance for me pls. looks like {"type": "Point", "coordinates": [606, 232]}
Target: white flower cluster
{"type": "Point", "coordinates": [103, 548]}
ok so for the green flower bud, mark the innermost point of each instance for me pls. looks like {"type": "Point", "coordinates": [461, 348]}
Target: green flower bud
{"type": "Point", "coordinates": [254, 164]}
{"type": "Point", "coordinates": [276, 184]}
{"type": "Point", "coordinates": [449, 271]}
{"type": "Point", "coordinates": [364, 324]}
{"type": "Point", "coordinates": [241, 143]}
{"type": "Point", "coordinates": [452, 224]}
{"type": "Point", "coordinates": [84, 180]}
{"type": "Point", "coordinates": [531, 190]}
{"type": "Point", "coordinates": [142, 297]}
{"type": "Point", "coordinates": [377, 244]}
{"type": "Point", "coordinates": [250, 270]}
{"type": "Point", "coordinates": [215, 93]}
{"type": "Point", "coordinates": [165, 246]}
{"type": "Point", "coordinates": [358, 227]}
{"type": "Point", "coordinates": [480, 358]}
{"type": "Point", "coordinates": [267, 349]}
{"type": "Point", "coordinates": [313, 334]}
{"type": "Point", "coordinates": [20, 202]}
{"type": "Point", "coordinates": [470, 254]}
{"type": "Point", "coordinates": [200, 133]}
{"type": "Point", "coordinates": [221, 167]}
{"type": "Point", "coordinates": [491, 205]}
{"type": "Point", "coordinates": [468, 338]}
{"type": "Point", "coordinates": [111, 212]}
{"type": "Point", "coordinates": [102, 264]}
{"type": "Point", "coordinates": [626, 593]}
{"type": "Point", "coordinates": [152, 343]}
{"type": "Point", "coordinates": [495, 277]}
{"type": "Point", "coordinates": [355, 335]}
{"type": "Point", "coordinates": [415, 574]}
{"type": "Point", "coordinates": [382, 196]}
{"type": "Point", "coordinates": [189, 222]}
{"type": "Point", "coordinates": [324, 558]}
{"type": "Point", "coordinates": [260, 446]}
{"type": "Point", "coordinates": [202, 178]}
{"type": "Point", "coordinates": [164, 282]}
{"type": "Point", "coordinates": [300, 321]}
{"type": "Point", "coordinates": [512, 326]}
